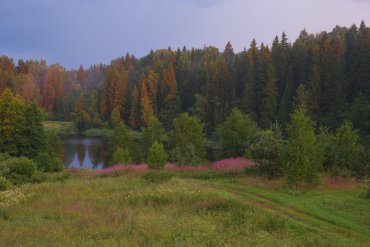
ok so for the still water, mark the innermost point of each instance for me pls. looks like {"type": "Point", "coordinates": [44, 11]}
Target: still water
{"type": "Point", "coordinates": [84, 152]}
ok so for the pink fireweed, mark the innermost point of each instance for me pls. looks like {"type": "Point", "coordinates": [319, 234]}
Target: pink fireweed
{"type": "Point", "coordinates": [121, 168]}
{"type": "Point", "coordinates": [232, 164]}
{"type": "Point", "coordinates": [174, 167]}
{"type": "Point", "coordinates": [226, 165]}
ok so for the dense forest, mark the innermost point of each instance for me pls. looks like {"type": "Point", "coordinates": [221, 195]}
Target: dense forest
{"type": "Point", "coordinates": [329, 72]}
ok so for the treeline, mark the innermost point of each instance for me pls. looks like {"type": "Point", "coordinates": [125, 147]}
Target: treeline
{"type": "Point", "coordinates": [328, 72]}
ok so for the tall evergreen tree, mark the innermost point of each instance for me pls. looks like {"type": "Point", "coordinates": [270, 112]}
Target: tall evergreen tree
{"type": "Point", "coordinates": [34, 131]}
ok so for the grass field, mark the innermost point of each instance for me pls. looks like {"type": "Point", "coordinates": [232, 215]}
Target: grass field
{"type": "Point", "coordinates": [136, 210]}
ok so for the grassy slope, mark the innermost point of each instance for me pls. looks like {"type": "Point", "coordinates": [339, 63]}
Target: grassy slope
{"type": "Point", "coordinates": [129, 211]}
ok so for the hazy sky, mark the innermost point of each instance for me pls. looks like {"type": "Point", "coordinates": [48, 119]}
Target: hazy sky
{"type": "Point", "coordinates": [74, 32]}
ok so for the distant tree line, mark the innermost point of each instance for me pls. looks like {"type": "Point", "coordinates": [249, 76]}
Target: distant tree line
{"type": "Point", "coordinates": [328, 72]}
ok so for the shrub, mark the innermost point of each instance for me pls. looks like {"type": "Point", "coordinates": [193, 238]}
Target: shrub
{"type": "Point", "coordinates": [4, 183]}
{"type": "Point", "coordinates": [266, 151]}
{"type": "Point", "coordinates": [157, 156]}
{"type": "Point", "coordinates": [38, 177]}
{"type": "Point", "coordinates": [346, 150]}
{"type": "Point", "coordinates": [46, 163]}
{"type": "Point", "coordinates": [18, 170]}
{"type": "Point", "coordinates": [236, 134]}
{"type": "Point", "coordinates": [188, 131]}
{"type": "Point", "coordinates": [121, 156]}
{"type": "Point", "coordinates": [4, 157]}
{"type": "Point", "coordinates": [185, 156]}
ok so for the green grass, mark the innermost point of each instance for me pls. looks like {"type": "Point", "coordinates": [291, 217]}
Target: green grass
{"type": "Point", "coordinates": [158, 210]}
{"type": "Point", "coordinates": [99, 132]}
{"type": "Point", "coordinates": [60, 127]}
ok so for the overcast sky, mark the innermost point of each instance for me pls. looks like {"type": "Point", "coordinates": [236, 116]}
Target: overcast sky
{"type": "Point", "coordinates": [74, 32]}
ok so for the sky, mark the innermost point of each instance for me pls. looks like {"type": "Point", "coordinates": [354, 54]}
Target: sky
{"type": "Point", "coordinates": [85, 32]}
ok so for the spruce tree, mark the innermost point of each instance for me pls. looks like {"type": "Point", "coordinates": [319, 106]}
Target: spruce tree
{"type": "Point", "coordinates": [34, 131]}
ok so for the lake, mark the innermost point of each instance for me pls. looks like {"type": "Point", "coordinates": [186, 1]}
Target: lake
{"type": "Point", "coordinates": [84, 152]}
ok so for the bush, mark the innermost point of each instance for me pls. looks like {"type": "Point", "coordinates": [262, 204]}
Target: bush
{"type": "Point", "coordinates": [38, 177]}
{"type": "Point", "coordinates": [121, 156]}
{"type": "Point", "coordinates": [18, 170]}
{"type": "Point", "coordinates": [157, 156]}
{"type": "Point", "coordinates": [4, 183]}
{"type": "Point", "coordinates": [188, 131]}
{"type": "Point", "coordinates": [46, 163]}
{"type": "Point", "coordinates": [266, 151]}
{"type": "Point", "coordinates": [346, 149]}
{"type": "Point", "coordinates": [185, 156]}
{"type": "Point", "coordinates": [236, 134]}
{"type": "Point", "coordinates": [4, 157]}
{"type": "Point", "coordinates": [60, 177]}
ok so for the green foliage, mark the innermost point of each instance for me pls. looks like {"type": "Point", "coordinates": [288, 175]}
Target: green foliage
{"type": "Point", "coordinates": [4, 157]}
{"type": "Point", "coordinates": [38, 177]}
{"type": "Point", "coordinates": [236, 134]}
{"type": "Point", "coordinates": [53, 144]}
{"type": "Point", "coordinates": [188, 132]}
{"type": "Point", "coordinates": [34, 131]}
{"type": "Point", "coordinates": [12, 125]}
{"type": "Point", "coordinates": [346, 149]}
{"type": "Point", "coordinates": [18, 170]}
{"type": "Point", "coordinates": [121, 137]}
{"type": "Point", "coordinates": [115, 119]}
{"type": "Point", "coordinates": [301, 156]}
{"type": "Point", "coordinates": [4, 183]}
{"type": "Point", "coordinates": [266, 150]}
{"type": "Point", "coordinates": [153, 133]}
{"type": "Point", "coordinates": [121, 156]}
{"type": "Point", "coordinates": [47, 163]}
{"type": "Point", "coordinates": [157, 156]}
{"type": "Point", "coordinates": [185, 156]}
{"type": "Point", "coordinates": [325, 140]}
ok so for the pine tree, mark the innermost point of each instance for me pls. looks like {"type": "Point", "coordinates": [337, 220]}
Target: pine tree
{"type": "Point", "coordinates": [34, 131]}
{"type": "Point", "coordinates": [268, 104]}
{"type": "Point", "coordinates": [250, 97]}
{"type": "Point", "coordinates": [147, 110]}
{"type": "Point", "coordinates": [135, 110]}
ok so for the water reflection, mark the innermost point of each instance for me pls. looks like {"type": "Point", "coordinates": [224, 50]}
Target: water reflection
{"type": "Point", "coordinates": [84, 152]}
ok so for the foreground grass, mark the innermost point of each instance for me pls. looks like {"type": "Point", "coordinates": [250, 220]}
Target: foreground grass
{"type": "Point", "coordinates": [135, 210]}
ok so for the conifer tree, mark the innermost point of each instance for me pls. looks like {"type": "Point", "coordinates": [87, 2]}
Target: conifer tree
{"type": "Point", "coordinates": [135, 109]}
{"type": "Point", "coordinates": [34, 131]}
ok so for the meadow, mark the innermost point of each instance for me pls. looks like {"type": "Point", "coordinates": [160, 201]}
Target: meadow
{"type": "Point", "coordinates": [183, 207]}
